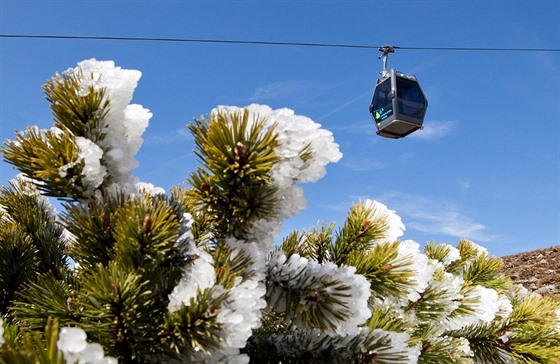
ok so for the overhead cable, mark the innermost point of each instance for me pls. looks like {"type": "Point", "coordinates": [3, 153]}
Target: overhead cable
{"type": "Point", "coordinates": [254, 42]}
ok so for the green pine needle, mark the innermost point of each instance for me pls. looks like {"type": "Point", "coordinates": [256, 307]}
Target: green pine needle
{"type": "Point", "coordinates": [233, 189]}
{"type": "Point", "coordinates": [34, 347]}
{"type": "Point", "coordinates": [76, 108]}
{"type": "Point", "coordinates": [49, 157]}
{"type": "Point", "coordinates": [357, 234]}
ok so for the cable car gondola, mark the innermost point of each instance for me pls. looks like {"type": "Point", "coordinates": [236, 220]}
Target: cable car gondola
{"type": "Point", "coordinates": [398, 105]}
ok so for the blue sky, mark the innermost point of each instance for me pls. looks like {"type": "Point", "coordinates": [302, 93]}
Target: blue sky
{"type": "Point", "coordinates": [486, 166]}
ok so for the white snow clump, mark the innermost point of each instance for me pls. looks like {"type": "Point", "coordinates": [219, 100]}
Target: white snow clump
{"type": "Point", "coordinates": [422, 270]}
{"type": "Point", "coordinates": [453, 255]}
{"type": "Point", "coordinates": [378, 210]}
{"type": "Point", "coordinates": [123, 125]}
{"type": "Point", "coordinates": [91, 154]}
{"type": "Point", "coordinates": [199, 276]}
{"type": "Point", "coordinates": [72, 342]}
{"type": "Point", "coordinates": [484, 303]}
{"type": "Point", "coordinates": [240, 313]}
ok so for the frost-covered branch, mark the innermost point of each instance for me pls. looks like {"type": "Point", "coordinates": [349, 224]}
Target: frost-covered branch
{"type": "Point", "coordinates": [136, 275]}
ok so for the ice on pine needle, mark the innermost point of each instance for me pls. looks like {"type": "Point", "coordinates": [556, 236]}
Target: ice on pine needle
{"type": "Point", "coordinates": [241, 312]}
{"type": "Point", "coordinates": [484, 304]}
{"type": "Point", "coordinates": [409, 259]}
{"type": "Point", "coordinates": [149, 189]}
{"type": "Point", "coordinates": [398, 345]}
{"type": "Point", "coordinates": [505, 307]}
{"type": "Point", "coordinates": [75, 348]}
{"type": "Point", "coordinates": [347, 291]}
{"type": "Point", "coordinates": [294, 133]}
{"type": "Point", "coordinates": [199, 276]}
{"type": "Point", "coordinates": [378, 210]}
{"type": "Point", "coordinates": [123, 125]}
{"type": "Point", "coordinates": [453, 255]}
{"type": "Point", "coordinates": [420, 267]}
{"type": "Point", "coordinates": [93, 171]}
{"type": "Point", "coordinates": [388, 345]}
{"type": "Point", "coordinates": [28, 187]}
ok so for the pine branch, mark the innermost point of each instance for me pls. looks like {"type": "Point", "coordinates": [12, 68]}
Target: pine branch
{"type": "Point", "coordinates": [19, 263]}
{"type": "Point", "coordinates": [444, 253]}
{"type": "Point", "coordinates": [315, 296]}
{"type": "Point", "coordinates": [532, 328]}
{"type": "Point", "coordinates": [31, 241]}
{"type": "Point", "coordinates": [485, 342]}
{"type": "Point", "coordinates": [375, 346]}
{"type": "Point", "coordinates": [145, 231]}
{"type": "Point", "coordinates": [478, 268]}
{"type": "Point", "coordinates": [485, 271]}
{"type": "Point", "coordinates": [33, 215]}
{"type": "Point", "coordinates": [202, 227]}
{"type": "Point", "coordinates": [92, 225]}
{"type": "Point", "coordinates": [441, 298]}
{"type": "Point", "coordinates": [194, 328]}
{"type": "Point", "coordinates": [446, 350]}
{"type": "Point", "coordinates": [50, 157]}
{"type": "Point", "coordinates": [389, 275]}
{"type": "Point", "coordinates": [230, 267]}
{"type": "Point", "coordinates": [387, 318]}
{"type": "Point", "coordinates": [317, 244]}
{"type": "Point", "coordinates": [233, 190]}
{"type": "Point", "coordinates": [358, 233]}
{"type": "Point", "coordinates": [47, 298]}
{"type": "Point", "coordinates": [292, 242]}
{"type": "Point", "coordinates": [529, 335]}
{"type": "Point", "coordinates": [118, 311]}
{"type": "Point", "coordinates": [75, 107]}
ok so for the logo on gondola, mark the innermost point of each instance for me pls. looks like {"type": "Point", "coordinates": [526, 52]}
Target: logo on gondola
{"type": "Point", "coordinates": [382, 114]}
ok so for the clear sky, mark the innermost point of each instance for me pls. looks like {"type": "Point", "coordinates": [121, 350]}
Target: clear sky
{"type": "Point", "coordinates": [486, 166]}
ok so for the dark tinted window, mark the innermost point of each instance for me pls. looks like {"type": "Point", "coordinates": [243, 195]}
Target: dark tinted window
{"type": "Point", "coordinates": [381, 104]}
{"type": "Point", "coordinates": [410, 99]}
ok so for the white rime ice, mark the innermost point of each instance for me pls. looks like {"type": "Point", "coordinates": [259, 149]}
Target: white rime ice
{"type": "Point", "coordinates": [328, 280]}
{"type": "Point", "coordinates": [452, 255]}
{"type": "Point", "coordinates": [122, 126]}
{"type": "Point", "coordinates": [422, 271]}
{"type": "Point", "coordinates": [484, 303]}
{"type": "Point", "coordinates": [240, 314]}
{"type": "Point", "coordinates": [28, 187]}
{"type": "Point", "coordinates": [377, 210]}
{"type": "Point", "coordinates": [72, 342]}
{"type": "Point", "coordinates": [149, 188]}
{"type": "Point", "coordinates": [199, 276]}
{"type": "Point", "coordinates": [91, 154]}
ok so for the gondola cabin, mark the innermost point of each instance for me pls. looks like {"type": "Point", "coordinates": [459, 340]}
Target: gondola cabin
{"type": "Point", "coordinates": [398, 105]}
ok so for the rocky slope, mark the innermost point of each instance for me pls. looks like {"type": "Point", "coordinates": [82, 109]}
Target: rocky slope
{"type": "Point", "coordinates": [538, 270]}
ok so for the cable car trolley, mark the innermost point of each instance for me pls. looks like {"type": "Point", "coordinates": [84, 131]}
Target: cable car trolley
{"type": "Point", "coordinates": [398, 105]}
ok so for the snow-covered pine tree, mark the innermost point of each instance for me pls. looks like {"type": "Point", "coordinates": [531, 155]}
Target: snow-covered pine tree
{"type": "Point", "coordinates": [131, 274]}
